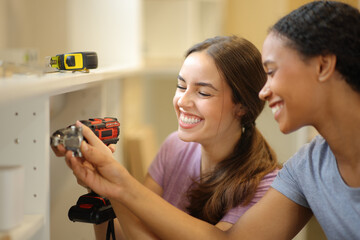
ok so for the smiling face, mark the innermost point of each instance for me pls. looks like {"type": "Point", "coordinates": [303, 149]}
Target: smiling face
{"type": "Point", "coordinates": [292, 88]}
{"type": "Point", "coordinates": [203, 103]}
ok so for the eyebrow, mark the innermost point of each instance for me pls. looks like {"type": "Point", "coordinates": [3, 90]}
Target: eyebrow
{"type": "Point", "coordinates": [203, 84]}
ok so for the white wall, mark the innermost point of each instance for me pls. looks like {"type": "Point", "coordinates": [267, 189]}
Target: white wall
{"type": "Point", "coordinates": [171, 27]}
{"type": "Point", "coordinates": [112, 28]}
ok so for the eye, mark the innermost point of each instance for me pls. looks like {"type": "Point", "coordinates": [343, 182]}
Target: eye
{"type": "Point", "coordinates": [180, 87]}
{"type": "Point", "coordinates": [204, 94]}
{"type": "Point", "coordinates": [270, 72]}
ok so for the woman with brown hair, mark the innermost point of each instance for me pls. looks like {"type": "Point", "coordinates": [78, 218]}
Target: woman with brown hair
{"type": "Point", "coordinates": [217, 156]}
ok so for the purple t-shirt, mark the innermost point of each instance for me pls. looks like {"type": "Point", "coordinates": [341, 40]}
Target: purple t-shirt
{"type": "Point", "coordinates": [177, 164]}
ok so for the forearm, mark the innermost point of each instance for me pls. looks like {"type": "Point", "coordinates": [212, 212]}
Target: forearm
{"type": "Point", "coordinates": [162, 218]}
{"type": "Point", "coordinates": [131, 226]}
{"type": "Point", "coordinates": [100, 231]}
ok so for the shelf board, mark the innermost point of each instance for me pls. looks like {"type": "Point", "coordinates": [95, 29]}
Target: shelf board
{"type": "Point", "coordinates": [20, 87]}
{"type": "Point", "coordinates": [23, 86]}
{"type": "Point", "coordinates": [27, 229]}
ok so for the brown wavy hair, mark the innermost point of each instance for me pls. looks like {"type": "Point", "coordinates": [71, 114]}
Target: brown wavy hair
{"type": "Point", "coordinates": [234, 180]}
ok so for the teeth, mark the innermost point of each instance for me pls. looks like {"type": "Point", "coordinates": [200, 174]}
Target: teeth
{"type": "Point", "coordinates": [275, 108]}
{"type": "Point", "coordinates": [189, 120]}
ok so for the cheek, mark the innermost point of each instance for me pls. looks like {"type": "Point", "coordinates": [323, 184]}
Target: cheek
{"type": "Point", "coordinates": [175, 100]}
{"type": "Point", "coordinates": [230, 115]}
{"type": "Point", "coordinates": [212, 111]}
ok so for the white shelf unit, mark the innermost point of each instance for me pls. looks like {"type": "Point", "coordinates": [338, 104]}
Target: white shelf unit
{"type": "Point", "coordinates": [25, 134]}
{"type": "Point", "coordinates": [121, 32]}
{"type": "Point", "coordinates": [30, 225]}
{"type": "Point", "coordinates": [25, 105]}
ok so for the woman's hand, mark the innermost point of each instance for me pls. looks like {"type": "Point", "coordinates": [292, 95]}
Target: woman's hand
{"type": "Point", "coordinates": [60, 151]}
{"type": "Point", "coordinates": [97, 168]}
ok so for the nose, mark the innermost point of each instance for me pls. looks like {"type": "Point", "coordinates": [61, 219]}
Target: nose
{"type": "Point", "coordinates": [265, 92]}
{"type": "Point", "coordinates": [185, 100]}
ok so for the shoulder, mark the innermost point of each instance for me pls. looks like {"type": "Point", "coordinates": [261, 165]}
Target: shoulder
{"type": "Point", "coordinates": [308, 155]}
{"type": "Point", "coordinates": [301, 171]}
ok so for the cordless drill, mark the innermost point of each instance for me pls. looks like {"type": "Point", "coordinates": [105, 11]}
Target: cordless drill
{"type": "Point", "coordinates": [90, 208]}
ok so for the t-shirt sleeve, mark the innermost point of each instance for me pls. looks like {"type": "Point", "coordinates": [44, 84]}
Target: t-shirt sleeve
{"type": "Point", "coordinates": [235, 213]}
{"type": "Point", "coordinates": [287, 180]}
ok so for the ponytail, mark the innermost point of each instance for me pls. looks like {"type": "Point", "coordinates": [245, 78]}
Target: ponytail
{"type": "Point", "coordinates": [234, 180]}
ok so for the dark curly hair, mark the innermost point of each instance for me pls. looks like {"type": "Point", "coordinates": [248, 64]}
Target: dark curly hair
{"type": "Point", "coordinates": [326, 27]}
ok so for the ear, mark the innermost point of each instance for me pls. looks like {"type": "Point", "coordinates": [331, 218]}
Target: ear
{"type": "Point", "coordinates": [326, 66]}
{"type": "Point", "coordinates": [240, 110]}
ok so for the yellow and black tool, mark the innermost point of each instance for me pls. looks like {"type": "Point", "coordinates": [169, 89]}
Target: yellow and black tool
{"type": "Point", "coordinates": [75, 61]}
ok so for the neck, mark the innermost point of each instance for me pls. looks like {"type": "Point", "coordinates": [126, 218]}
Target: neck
{"type": "Point", "coordinates": [212, 154]}
{"type": "Point", "coordinates": [339, 125]}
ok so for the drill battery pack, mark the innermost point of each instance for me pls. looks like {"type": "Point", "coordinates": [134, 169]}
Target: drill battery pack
{"type": "Point", "coordinates": [107, 129]}
{"type": "Point", "coordinates": [91, 208]}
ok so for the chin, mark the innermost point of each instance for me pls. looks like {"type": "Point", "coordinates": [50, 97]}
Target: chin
{"type": "Point", "coordinates": [186, 137]}
{"type": "Point", "coordinates": [288, 129]}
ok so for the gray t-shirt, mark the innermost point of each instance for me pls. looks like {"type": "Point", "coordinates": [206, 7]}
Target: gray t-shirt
{"type": "Point", "coordinates": [311, 178]}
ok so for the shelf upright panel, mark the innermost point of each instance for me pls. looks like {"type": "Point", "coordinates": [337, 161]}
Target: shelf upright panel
{"type": "Point", "coordinates": [24, 141]}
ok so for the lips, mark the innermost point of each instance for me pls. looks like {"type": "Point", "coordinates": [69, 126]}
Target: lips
{"type": "Point", "coordinates": [188, 120]}
{"type": "Point", "coordinates": [275, 108]}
